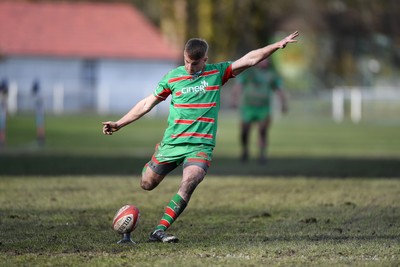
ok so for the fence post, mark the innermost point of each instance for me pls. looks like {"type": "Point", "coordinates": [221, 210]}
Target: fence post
{"type": "Point", "coordinates": [13, 98]}
{"type": "Point", "coordinates": [3, 116]}
{"type": "Point", "coordinates": [338, 104]}
{"type": "Point", "coordinates": [58, 99]}
{"type": "Point", "coordinates": [356, 105]}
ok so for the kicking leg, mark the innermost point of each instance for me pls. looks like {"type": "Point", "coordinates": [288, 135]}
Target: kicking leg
{"type": "Point", "coordinates": [192, 177]}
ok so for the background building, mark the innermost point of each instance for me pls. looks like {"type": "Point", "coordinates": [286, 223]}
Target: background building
{"type": "Point", "coordinates": [85, 56]}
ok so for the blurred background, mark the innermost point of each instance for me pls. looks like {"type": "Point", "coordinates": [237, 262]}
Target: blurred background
{"type": "Point", "coordinates": [102, 56]}
{"type": "Point", "coordinates": [98, 58]}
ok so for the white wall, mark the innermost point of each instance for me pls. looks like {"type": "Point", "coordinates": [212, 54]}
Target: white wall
{"type": "Point", "coordinates": [129, 81]}
{"type": "Point", "coordinates": [49, 71]}
{"type": "Point", "coordinates": [124, 81]}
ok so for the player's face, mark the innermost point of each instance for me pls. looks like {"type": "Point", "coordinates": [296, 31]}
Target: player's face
{"type": "Point", "coordinates": [193, 66]}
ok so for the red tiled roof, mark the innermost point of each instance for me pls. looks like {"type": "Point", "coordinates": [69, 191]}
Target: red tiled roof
{"type": "Point", "coordinates": [90, 30]}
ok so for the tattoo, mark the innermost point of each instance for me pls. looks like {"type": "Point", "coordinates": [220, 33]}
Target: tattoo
{"type": "Point", "coordinates": [190, 183]}
{"type": "Point", "coordinates": [191, 186]}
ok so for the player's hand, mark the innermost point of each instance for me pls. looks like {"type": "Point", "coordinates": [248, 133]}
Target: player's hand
{"type": "Point", "coordinates": [288, 39]}
{"type": "Point", "coordinates": [109, 127]}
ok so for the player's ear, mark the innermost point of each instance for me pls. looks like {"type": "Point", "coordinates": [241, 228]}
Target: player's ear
{"type": "Point", "coordinates": [205, 59]}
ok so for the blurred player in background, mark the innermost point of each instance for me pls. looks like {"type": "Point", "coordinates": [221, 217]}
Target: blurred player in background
{"type": "Point", "coordinates": [192, 122]}
{"type": "Point", "coordinates": [3, 111]}
{"type": "Point", "coordinates": [256, 87]}
{"type": "Point", "coordinates": [39, 112]}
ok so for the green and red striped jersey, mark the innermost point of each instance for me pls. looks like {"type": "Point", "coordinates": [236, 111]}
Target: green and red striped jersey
{"type": "Point", "coordinates": [193, 113]}
{"type": "Point", "coordinates": [258, 87]}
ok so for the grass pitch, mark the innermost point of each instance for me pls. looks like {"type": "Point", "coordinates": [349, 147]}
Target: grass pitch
{"type": "Point", "coordinates": [328, 196]}
{"type": "Point", "coordinates": [235, 221]}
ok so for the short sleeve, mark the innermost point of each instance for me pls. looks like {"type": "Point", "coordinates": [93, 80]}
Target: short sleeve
{"type": "Point", "coordinates": [225, 69]}
{"type": "Point", "coordinates": [162, 91]}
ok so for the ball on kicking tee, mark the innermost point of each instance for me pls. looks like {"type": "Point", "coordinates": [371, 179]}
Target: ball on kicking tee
{"type": "Point", "coordinates": [126, 219]}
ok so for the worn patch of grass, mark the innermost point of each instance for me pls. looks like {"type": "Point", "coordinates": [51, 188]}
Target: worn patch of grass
{"type": "Point", "coordinates": [238, 221]}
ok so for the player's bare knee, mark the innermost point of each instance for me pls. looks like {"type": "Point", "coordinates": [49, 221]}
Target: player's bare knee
{"type": "Point", "coordinates": [147, 185]}
{"type": "Point", "coordinates": [150, 180]}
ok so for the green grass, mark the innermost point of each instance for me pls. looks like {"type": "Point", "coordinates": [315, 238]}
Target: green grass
{"type": "Point", "coordinates": [290, 136]}
{"type": "Point", "coordinates": [307, 147]}
{"type": "Point", "coordinates": [330, 195]}
{"type": "Point", "coordinates": [230, 221]}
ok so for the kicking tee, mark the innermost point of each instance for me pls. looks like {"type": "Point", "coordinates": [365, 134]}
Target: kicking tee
{"type": "Point", "coordinates": [193, 113]}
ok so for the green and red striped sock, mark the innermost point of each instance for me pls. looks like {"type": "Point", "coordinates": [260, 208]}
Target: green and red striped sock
{"type": "Point", "coordinates": [172, 211]}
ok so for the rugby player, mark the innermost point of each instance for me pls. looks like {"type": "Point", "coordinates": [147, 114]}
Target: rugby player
{"type": "Point", "coordinates": [256, 88]}
{"type": "Point", "coordinates": [189, 139]}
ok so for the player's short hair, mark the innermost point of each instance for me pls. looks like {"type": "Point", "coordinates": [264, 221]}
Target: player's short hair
{"type": "Point", "coordinates": [196, 48]}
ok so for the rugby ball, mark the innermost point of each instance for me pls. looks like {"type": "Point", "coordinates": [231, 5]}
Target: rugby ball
{"type": "Point", "coordinates": [126, 219]}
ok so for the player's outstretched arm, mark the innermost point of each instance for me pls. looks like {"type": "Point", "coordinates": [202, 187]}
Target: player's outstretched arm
{"type": "Point", "coordinates": [141, 108]}
{"type": "Point", "coordinates": [255, 56]}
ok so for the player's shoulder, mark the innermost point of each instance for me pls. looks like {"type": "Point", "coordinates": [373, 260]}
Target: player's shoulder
{"type": "Point", "coordinates": [174, 73]}
{"type": "Point", "coordinates": [179, 69]}
{"type": "Point", "coordinates": [218, 65]}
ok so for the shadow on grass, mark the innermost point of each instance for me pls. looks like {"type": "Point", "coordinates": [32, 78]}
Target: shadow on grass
{"type": "Point", "coordinates": [325, 167]}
